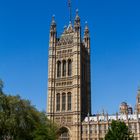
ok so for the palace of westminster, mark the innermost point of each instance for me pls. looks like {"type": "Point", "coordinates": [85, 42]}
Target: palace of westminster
{"type": "Point", "coordinates": [69, 88]}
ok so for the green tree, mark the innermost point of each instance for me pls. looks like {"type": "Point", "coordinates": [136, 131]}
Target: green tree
{"type": "Point", "coordinates": [46, 132]}
{"type": "Point", "coordinates": [19, 120]}
{"type": "Point", "coordinates": [118, 131]}
{"type": "Point", "coordinates": [1, 85]}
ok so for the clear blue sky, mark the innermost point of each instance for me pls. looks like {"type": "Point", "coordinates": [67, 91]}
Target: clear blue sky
{"type": "Point", "coordinates": [115, 48]}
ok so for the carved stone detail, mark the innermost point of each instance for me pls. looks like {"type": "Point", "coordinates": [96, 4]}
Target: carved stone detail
{"type": "Point", "coordinates": [64, 40]}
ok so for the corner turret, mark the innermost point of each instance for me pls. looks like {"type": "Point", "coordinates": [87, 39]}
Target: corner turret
{"type": "Point", "coordinates": [53, 33]}
{"type": "Point", "coordinates": [87, 37]}
{"type": "Point", "coordinates": [77, 25]}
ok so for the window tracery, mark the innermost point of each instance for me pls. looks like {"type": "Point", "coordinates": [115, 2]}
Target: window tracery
{"type": "Point", "coordinates": [63, 101]}
{"type": "Point", "coordinates": [69, 67]}
{"type": "Point", "coordinates": [69, 100]}
{"type": "Point", "coordinates": [58, 68]}
{"type": "Point", "coordinates": [64, 68]}
{"type": "Point", "coordinates": [58, 102]}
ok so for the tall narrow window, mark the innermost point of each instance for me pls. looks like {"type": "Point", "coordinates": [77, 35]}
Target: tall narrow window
{"type": "Point", "coordinates": [58, 102]}
{"type": "Point", "coordinates": [64, 68]}
{"type": "Point", "coordinates": [63, 101]}
{"type": "Point", "coordinates": [138, 99]}
{"type": "Point", "coordinates": [69, 101]}
{"type": "Point", "coordinates": [58, 69]}
{"type": "Point", "coordinates": [69, 67]}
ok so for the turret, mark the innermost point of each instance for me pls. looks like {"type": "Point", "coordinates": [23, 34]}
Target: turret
{"type": "Point", "coordinates": [123, 108]}
{"type": "Point", "coordinates": [77, 25]}
{"type": "Point", "coordinates": [87, 37]}
{"type": "Point", "coordinates": [53, 33]}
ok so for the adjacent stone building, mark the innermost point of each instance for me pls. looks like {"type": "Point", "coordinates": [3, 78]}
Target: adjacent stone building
{"type": "Point", "coordinates": [69, 89]}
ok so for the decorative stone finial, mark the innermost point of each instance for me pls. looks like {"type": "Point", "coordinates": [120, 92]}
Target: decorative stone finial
{"type": "Point", "coordinates": [70, 23]}
{"type": "Point", "coordinates": [86, 25]}
{"type": "Point", "coordinates": [77, 11]}
{"type": "Point", "coordinates": [53, 21]}
{"type": "Point", "coordinates": [65, 27]}
{"type": "Point", "coordinates": [77, 18]}
{"type": "Point", "coordinates": [70, 28]}
{"type": "Point", "coordinates": [86, 31]}
{"type": "Point", "coordinates": [53, 16]}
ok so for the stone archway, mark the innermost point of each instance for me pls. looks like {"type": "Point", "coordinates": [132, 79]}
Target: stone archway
{"type": "Point", "coordinates": [64, 134]}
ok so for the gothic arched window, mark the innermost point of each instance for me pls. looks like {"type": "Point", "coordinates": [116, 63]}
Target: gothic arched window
{"type": "Point", "coordinates": [64, 68]}
{"type": "Point", "coordinates": [69, 101]}
{"type": "Point", "coordinates": [69, 67]}
{"type": "Point", "coordinates": [58, 68]}
{"type": "Point", "coordinates": [58, 102]}
{"type": "Point", "coordinates": [63, 101]}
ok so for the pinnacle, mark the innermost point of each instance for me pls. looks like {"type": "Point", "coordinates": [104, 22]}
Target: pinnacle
{"type": "Point", "coordinates": [77, 11]}
{"type": "Point", "coordinates": [53, 20]}
{"type": "Point", "coordinates": [77, 18]}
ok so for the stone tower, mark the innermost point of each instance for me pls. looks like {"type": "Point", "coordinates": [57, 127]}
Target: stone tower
{"type": "Point", "coordinates": [69, 91]}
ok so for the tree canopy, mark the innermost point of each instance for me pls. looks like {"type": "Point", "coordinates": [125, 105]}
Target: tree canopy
{"type": "Point", "coordinates": [19, 120]}
{"type": "Point", "coordinates": [118, 131]}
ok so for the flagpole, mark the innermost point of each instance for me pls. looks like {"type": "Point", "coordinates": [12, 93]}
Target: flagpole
{"type": "Point", "coordinates": [70, 10]}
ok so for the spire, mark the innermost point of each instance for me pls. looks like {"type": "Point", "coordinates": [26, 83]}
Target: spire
{"type": "Point", "coordinates": [70, 28]}
{"type": "Point", "coordinates": [53, 32]}
{"type": "Point", "coordinates": [87, 37]}
{"type": "Point", "coordinates": [77, 18]}
{"type": "Point", "coordinates": [53, 23]}
{"type": "Point", "coordinates": [86, 31]}
{"type": "Point", "coordinates": [65, 29]}
{"type": "Point", "coordinates": [77, 21]}
{"type": "Point", "coordinates": [70, 25]}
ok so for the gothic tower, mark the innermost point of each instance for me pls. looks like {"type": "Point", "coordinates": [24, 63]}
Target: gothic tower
{"type": "Point", "coordinates": [69, 93]}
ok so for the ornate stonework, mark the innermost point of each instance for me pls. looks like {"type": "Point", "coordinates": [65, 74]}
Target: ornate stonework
{"type": "Point", "coordinates": [69, 89]}
{"type": "Point", "coordinates": [69, 79]}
